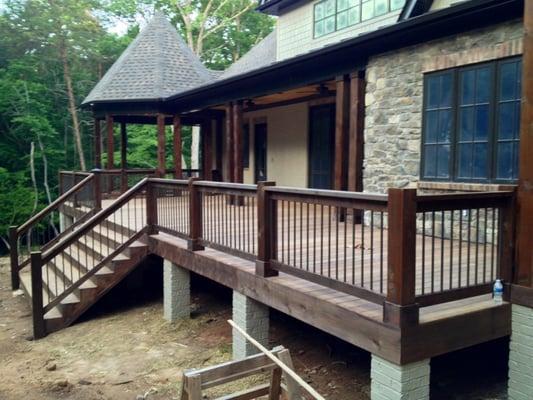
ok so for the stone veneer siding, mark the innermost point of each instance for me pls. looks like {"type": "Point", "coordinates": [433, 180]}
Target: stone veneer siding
{"type": "Point", "coordinates": [393, 121]}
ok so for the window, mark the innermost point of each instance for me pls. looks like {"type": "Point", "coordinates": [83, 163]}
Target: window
{"type": "Point", "coordinates": [471, 123]}
{"type": "Point", "coordinates": [334, 15]}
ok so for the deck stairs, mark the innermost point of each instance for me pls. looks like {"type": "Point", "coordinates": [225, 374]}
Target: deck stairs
{"type": "Point", "coordinates": [65, 271]}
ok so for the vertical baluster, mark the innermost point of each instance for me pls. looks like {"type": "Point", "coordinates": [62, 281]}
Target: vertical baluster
{"type": "Point", "coordinates": [371, 250]}
{"type": "Point", "coordinates": [442, 245]}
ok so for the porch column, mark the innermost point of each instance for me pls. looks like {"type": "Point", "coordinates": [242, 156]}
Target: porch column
{"type": "Point", "coordinates": [110, 142]}
{"type": "Point", "coordinates": [219, 133]}
{"type": "Point", "coordinates": [207, 148]}
{"type": "Point", "coordinates": [229, 144]}
{"type": "Point", "coordinates": [97, 144]}
{"type": "Point", "coordinates": [176, 148]}
{"type": "Point", "coordinates": [253, 317]}
{"type": "Point", "coordinates": [342, 112]}
{"type": "Point", "coordinates": [237, 142]}
{"type": "Point", "coordinates": [161, 145]}
{"type": "Point", "coordinates": [176, 292]}
{"type": "Point", "coordinates": [123, 157]}
{"type": "Point", "coordinates": [521, 349]}
{"type": "Point", "coordinates": [356, 132]}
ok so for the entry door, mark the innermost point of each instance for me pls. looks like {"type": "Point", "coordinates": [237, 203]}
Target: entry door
{"type": "Point", "coordinates": [321, 146]}
{"type": "Point", "coordinates": [260, 145]}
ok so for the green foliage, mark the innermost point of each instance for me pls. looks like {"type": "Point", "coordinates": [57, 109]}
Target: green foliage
{"type": "Point", "coordinates": [16, 199]}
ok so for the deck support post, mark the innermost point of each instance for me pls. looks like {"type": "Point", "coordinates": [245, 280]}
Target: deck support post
{"type": "Point", "coordinates": [123, 158]}
{"type": "Point", "coordinates": [266, 230]}
{"type": "Point", "coordinates": [14, 257]}
{"type": "Point", "coordinates": [110, 150]}
{"type": "Point", "coordinates": [176, 148]}
{"type": "Point", "coordinates": [395, 382]}
{"type": "Point", "coordinates": [400, 308]}
{"type": "Point", "coordinates": [176, 292]}
{"type": "Point", "coordinates": [97, 144]}
{"type": "Point", "coordinates": [253, 317]}
{"type": "Point", "coordinates": [39, 328]}
{"type": "Point", "coordinates": [161, 142]}
{"type": "Point", "coordinates": [207, 149]}
{"type": "Point", "coordinates": [195, 217]}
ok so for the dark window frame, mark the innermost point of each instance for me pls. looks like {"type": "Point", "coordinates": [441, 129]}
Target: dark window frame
{"type": "Point", "coordinates": [493, 124]}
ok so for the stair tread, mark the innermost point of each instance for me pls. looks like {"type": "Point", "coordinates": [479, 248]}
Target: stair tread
{"type": "Point", "coordinates": [54, 313]}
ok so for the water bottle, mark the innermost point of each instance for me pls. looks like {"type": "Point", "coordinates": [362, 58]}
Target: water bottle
{"type": "Point", "coordinates": [497, 291]}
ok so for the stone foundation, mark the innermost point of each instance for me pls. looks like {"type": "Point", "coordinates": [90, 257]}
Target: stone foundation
{"type": "Point", "coordinates": [176, 292]}
{"type": "Point", "coordinates": [399, 382]}
{"type": "Point", "coordinates": [521, 354]}
{"type": "Point", "coordinates": [253, 317]}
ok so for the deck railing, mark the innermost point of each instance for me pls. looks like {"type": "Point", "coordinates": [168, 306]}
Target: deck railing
{"type": "Point", "coordinates": [402, 250]}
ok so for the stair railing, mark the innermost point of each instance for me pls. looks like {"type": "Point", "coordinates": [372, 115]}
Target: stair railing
{"type": "Point", "coordinates": [84, 195]}
{"type": "Point", "coordinates": [113, 229]}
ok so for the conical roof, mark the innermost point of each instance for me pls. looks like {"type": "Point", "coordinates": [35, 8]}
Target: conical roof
{"type": "Point", "coordinates": [157, 64]}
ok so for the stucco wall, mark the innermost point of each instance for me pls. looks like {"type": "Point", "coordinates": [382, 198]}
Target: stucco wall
{"type": "Point", "coordinates": [295, 31]}
{"type": "Point", "coordinates": [393, 100]}
{"type": "Point", "coordinates": [287, 132]}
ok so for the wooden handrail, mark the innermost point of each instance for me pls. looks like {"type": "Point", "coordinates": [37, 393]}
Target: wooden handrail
{"type": "Point", "coordinates": [93, 221]}
{"type": "Point", "coordinates": [53, 205]}
{"type": "Point", "coordinates": [461, 201]}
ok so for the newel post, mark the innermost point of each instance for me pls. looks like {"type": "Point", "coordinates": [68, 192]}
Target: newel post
{"type": "Point", "coordinates": [266, 230]}
{"type": "Point", "coordinates": [14, 257]}
{"type": "Point", "coordinates": [400, 308]}
{"type": "Point", "coordinates": [39, 328]}
{"type": "Point", "coordinates": [97, 187]}
{"type": "Point", "coordinates": [151, 208]}
{"type": "Point", "coordinates": [506, 245]}
{"type": "Point", "coordinates": [75, 197]}
{"type": "Point", "coordinates": [195, 217]}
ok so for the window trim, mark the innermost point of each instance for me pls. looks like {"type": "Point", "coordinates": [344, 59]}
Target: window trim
{"type": "Point", "coordinates": [492, 136]}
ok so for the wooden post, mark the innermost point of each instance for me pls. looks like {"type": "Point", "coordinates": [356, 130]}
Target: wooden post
{"type": "Point", "coordinates": [39, 328]}
{"type": "Point", "coordinates": [356, 133]}
{"type": "Point", "coordinates": [97, 144]}
{"type": "Point", "coordinates": [75, 197]}
{"type": "Point", "coordinates": [14, 257]}
{"type": "Point", "coordinates": [161, 167]}
{"type": "Point", "coordinates": [237, 142]}
{"type": "Point", "coordinates": [176, 148]}
{"type": "Point", "coordinates": [195, 217]}
{"type": "Point", "coordinates": [97, 187]}
{"type": "Point", "coordinates": [266, 231]}
{"type": "Point", "coordinates": [400, 308]}
{"type": "Point", "coordinates": [110, 151]}
{"type": "Point", "coordinates": [207, 149]}
{"type": "Point", "coordinates": [218, 151]}
{"type": "Point", "coordinates": [123, 158]}
{"type": "Point", "coordinates": [342, 112]}
{"type": "Point", "coordinates": [151, 209]}
{"type": "Point", "coordinates": [229, 143]}
{"type": "Point", "coordinates": [507, 240]}
{"type": "Point", "coordinates": [524, 275]}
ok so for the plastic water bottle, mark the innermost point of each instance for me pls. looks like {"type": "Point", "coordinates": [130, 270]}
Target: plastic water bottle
{"type": "Point", "coordinates": [497, 291]}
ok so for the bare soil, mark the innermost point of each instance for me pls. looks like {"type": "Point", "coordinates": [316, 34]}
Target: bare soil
{"type": "Point", "coordinates": [123, 349]}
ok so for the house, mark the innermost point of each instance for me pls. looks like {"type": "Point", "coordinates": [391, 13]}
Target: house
{"type": "Point", "coordinates": [389, 143]}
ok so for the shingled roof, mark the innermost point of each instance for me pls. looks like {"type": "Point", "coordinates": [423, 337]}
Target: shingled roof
{"type": "Point", "coordinates": [157, 64]}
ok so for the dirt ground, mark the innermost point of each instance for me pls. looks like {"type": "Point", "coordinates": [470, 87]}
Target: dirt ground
{"type": "Point", "coordinates": [123, 349]}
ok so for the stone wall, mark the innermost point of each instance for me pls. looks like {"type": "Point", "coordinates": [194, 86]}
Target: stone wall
{"type": "Point", "coordinates": [393, 120]}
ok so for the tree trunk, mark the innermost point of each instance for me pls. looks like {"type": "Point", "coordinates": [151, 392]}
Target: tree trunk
{"type": "Point", "coordinates": [72, 106]}
{"type": "Point", "coordinates": [195, 147]}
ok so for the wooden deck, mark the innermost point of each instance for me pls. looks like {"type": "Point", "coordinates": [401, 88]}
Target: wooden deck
{"type": "Point", "coordinates": [442, 327]}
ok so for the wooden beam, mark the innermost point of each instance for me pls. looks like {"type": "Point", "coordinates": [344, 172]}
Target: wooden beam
{"type": "Point", "coordinates": [237, 142]}
{"type": "Point", "coordinates": [342, 110]}
{"type": "Point", "coordinates": [229, 144]}
{"type": "Point", "coordinates": [123, 157]}
{"type": "Point", "coordinates": [356, 133]}
{"type": "Point", "coordinates": [97, 144]}
{"type": "Point", "coordinates": [207, 148]}
{"type": "Point", "coordinates": [161, 167]}
{"type": "Point", "coordinates": [524, 271]}
{"type": "Point", "coordinates": [110, 142]}
{"type": "Point", "coordinates": [176, 146]}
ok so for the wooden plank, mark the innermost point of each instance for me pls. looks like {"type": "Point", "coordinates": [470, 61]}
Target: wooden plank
{"type": "Point", "coordinates": [342, 113]}
{"type": "Point", "coordinates": [524, 275]}
{"type": "Point", "coordinates": [161, 142]}
{"type": "Point", "coordinates": [356, 133]}
{"type": "Point", "coordinates": [176, 146]}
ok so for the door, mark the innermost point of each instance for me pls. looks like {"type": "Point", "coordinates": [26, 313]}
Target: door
{"type": "Point", "coordinates": [321, 146]}
{"type": "Point", "coordinates": [260, 145]}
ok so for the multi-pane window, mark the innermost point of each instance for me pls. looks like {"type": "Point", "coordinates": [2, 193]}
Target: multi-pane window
{"type": "Point", "coordinates": [334, 15]}
{"type": "Point", "coordinates": [471, 123]}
